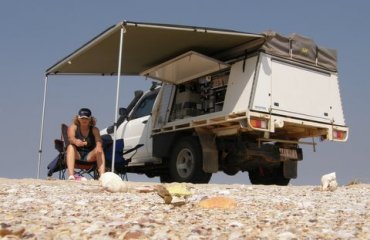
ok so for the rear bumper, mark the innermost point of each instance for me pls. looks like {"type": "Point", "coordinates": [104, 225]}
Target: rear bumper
{"type": "Point", "coordinates": [286, 127]}
{"type": "Point", "coordinates": [272, 153]}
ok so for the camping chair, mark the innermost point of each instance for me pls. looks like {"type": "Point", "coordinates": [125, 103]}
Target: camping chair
{"type": "Point", "coordinates": [59, 164]}
{"type": "Point", "coordinates": [120, 163]}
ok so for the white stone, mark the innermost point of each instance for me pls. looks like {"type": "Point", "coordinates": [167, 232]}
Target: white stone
{"type": "Point", "coordinates": [25, 200]}
{"type": "Point", "coordinates": [225, 192]}
{"type": "Point", "coordinates": [305, 205]}
{"type": "Point", "coordinates": [82, 202]}
{"type": "Point", "coordinates": [113, 183]}
{"type": "Point", "coordinates": [12, 190]}
{"type": "Point", "coordinates": [235, 235]}
{"type": "Point", "coordinates": [329, 182]}
{"type": "Point", "coordinates": [287, 236]}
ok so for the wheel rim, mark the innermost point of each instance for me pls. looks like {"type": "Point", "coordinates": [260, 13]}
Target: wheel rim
{"type": "Point", "coordinates": [185, 163]}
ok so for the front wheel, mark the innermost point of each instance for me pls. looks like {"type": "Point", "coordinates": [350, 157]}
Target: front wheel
{"type": "Point", "coordinates": [268, 176]}
{"type": "Point", "coordinates": [186, 163]}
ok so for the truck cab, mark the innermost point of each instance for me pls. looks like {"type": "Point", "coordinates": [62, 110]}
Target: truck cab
{"type": "Point", "coordinates": [134, 126]}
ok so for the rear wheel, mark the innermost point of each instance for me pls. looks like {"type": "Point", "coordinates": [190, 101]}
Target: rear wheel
{"type": "Point", "coordinates": [268, 176]}
{"type": "Point", "coordinates": [186, 163]}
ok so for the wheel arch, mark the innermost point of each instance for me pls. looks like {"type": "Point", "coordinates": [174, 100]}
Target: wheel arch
{"type": "Point", "coordinates": [163, 143]}
{"type": "Point", "coordinates": [163, 150]}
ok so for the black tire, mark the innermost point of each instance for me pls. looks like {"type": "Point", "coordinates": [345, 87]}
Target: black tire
{"type": "Point", "coordinates": [268, 176]}
{"type": "Point", "coordinates": [164, 178]}
{"type": "Point", "coordinates": [186, 163]}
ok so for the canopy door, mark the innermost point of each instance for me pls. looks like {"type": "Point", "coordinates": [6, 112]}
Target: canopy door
{"type": "Point", "coordinates": [184, 68]}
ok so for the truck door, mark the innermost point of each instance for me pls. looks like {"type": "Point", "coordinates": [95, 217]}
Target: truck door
{"type": "Point", "coordinates": [137, 130]}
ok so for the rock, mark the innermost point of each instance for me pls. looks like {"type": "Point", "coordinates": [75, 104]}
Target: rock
{"type": "Point", "coordinates": [134, 235]}
{"type": "Point", "coordinates": [6, 230]}
{"type": "Point", "coordinates": [178, 201]}
{"type": "Point", "coordinates": [145, 189]}
{"type": "Point", "coordinates": [287, 236]}
{"type": "Point", "coordinates": [25, 200]}
{"type": "Point", "coordinates": [235, 235]}
{"type": "Point", "coordinates": [236, 224]}
{"type": "Point", "coordinates": [12, 190]}
{"type": "Point", "coordinates": [218, 202]}
{"type": "Point", "coordinates": [329, 182]}
{"type": "Point", "coordinates": [113, 183]}
{"type": "Point", "coordinates": [224, 192]}
{"type": "Point", "coordinates": [163, 193]}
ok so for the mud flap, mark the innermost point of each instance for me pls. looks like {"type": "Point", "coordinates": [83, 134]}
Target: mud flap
{"type": "Point", "coordinates": [209, 150]}
{"type": "Point", "coordinates": [290, 169]}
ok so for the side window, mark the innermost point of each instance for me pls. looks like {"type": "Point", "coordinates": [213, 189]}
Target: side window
{"type": "Point", "coordinates": [144, 108]}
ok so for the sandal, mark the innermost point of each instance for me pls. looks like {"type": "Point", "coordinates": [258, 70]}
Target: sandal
{"type": "Point", "coordinates": [71, 178]}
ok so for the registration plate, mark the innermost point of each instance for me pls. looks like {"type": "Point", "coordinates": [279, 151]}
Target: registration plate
{"type": "Point", "coordinates": [288, 153]}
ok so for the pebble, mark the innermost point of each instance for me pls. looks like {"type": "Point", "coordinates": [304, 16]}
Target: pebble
{"type": "Point", "coordinates": [44, 209]}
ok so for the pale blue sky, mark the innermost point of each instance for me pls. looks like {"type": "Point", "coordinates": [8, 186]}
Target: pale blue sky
{"type": "Point", "coordinates": [36, 34]}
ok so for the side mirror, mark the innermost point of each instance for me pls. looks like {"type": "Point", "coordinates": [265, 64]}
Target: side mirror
{"type": "Point", "coordinates": [123, 112]}
{"type": "Point", "coordinates": [122, 117]}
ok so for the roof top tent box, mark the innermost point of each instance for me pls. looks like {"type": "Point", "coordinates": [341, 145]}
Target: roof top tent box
{"type": "Point", "coordinates": [289, 77]}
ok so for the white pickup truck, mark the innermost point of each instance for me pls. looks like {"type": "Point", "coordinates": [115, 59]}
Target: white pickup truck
{"type": "Point", "coordinates": [244, 114]}
{"type": "Point", "coordinates": [224, 100]}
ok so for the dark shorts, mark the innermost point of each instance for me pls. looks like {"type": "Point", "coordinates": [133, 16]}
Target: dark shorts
{"type": "Point", "coordinates": [83, 154]}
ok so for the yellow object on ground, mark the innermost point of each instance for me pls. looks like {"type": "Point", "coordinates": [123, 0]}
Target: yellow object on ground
{"type": "Point", "coordinates": [178, 190]}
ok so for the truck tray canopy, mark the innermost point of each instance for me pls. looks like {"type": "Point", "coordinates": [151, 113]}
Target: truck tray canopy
{"type": "Point", "coordinates": [146, 45]}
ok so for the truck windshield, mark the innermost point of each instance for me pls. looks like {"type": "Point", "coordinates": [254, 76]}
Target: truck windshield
{"type": "Point", "coordinates": [144, 108]}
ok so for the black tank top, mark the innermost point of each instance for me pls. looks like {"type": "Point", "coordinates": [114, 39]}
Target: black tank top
{"type": "Point", "coordinates": [90, 139]}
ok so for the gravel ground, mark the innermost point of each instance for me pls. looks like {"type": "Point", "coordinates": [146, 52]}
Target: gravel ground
{"type": "Point", "coordinates": [54, 209]}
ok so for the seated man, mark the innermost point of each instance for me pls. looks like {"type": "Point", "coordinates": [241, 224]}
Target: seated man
{"type": "Point", "coordinates": [85, 142]}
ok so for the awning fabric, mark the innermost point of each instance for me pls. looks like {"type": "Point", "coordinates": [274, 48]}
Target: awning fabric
{"type": "Point", "coordinates": [145, 46]}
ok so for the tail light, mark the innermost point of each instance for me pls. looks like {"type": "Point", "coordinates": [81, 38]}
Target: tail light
{"type": "Point", "coordinates": [339, 135]}
{"type": "Point", "coordinates": [258, 123]}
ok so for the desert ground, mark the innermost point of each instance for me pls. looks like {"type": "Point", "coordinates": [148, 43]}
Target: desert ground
{"type": "Point", "coordinates": [62, 209]}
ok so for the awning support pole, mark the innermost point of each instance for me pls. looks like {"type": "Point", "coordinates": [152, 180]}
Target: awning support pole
{"type": "Point", "coordinates": [123, 30]}
{"type": "Point", "coordinates": [42, 126]}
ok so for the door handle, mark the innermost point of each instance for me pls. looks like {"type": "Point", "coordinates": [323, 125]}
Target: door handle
{"type": "Point", "coordinates": [145, 121]}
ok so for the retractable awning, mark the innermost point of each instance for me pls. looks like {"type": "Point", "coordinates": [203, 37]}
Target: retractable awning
{"type": "Point", "coordinates": [146, 45]}
{"type": "Point", "coordinates": [154, 50]}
